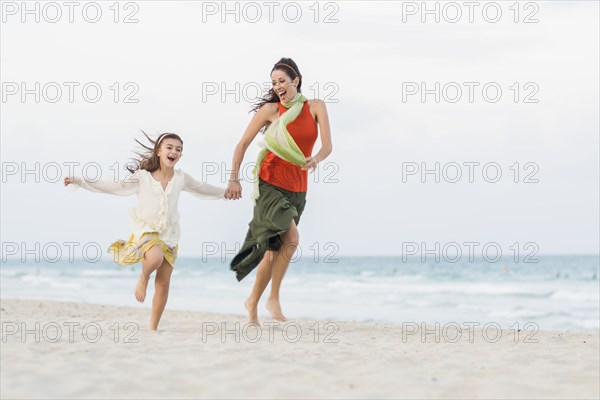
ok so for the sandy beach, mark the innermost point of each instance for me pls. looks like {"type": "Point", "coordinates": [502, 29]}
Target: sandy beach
{"type": "Point", "coordinates": [73, 350]}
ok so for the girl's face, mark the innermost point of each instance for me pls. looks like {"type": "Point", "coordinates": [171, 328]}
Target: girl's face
{"type": "Point", "coordinates": [283, 85]}
{"type": "Point", "coordinates": [169, 152]}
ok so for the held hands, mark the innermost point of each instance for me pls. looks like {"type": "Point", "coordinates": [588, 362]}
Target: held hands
{"type": "Point", "coordinates": [234, 190]}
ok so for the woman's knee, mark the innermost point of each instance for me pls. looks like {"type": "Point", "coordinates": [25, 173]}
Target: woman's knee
{"type": "Point", "coordinates": [291, 238]}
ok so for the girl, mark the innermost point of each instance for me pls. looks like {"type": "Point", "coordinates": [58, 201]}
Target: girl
{"type": "Point", "coordinates": [155, 219]}
{"type": "Point", "coordinates": [281, 180]}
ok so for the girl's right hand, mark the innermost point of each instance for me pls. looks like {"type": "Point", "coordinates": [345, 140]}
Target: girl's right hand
{"type": "Point", "coordinates": [68, 181]}
{"type": "Point", "coordinates": [234, 191]}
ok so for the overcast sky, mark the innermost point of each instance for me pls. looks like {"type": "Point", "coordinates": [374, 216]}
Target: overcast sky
{"type": "Point", "coordinates": [368, 62]}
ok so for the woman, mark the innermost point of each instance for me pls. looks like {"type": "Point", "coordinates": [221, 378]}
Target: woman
{"type": "Point", "coordinates": [292, 123]}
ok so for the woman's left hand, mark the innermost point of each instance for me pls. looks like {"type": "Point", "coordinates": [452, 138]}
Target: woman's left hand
{"type": "Point", "coordinates": [311, 163]}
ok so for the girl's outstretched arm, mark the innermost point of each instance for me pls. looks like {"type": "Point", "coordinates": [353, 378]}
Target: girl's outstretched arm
{"type": "Point", "coordinates": [126, 187]}
{"type": "Point", "coordinates": [201, 189]}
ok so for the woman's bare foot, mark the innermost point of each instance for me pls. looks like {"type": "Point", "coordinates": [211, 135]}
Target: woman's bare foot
{"type": "Point", "coordinates": [252, 312]}
{"type": "Point", "coordinates": [140, 288]}
{"type": "Point", "coordinates": [274, 308]}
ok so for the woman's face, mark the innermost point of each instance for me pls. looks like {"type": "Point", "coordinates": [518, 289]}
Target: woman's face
{"type": "Point", "coordinates": [283, 85]}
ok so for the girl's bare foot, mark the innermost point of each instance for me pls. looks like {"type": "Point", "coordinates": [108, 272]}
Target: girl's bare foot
{"type": "Point", "coordinates": [274, 308]}
{"type": "Point", "coordinates": [140, 288]}
{"type": "Point", "coordinates": [252, 311]}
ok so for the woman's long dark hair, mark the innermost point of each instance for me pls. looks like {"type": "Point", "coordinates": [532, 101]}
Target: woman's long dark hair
{"type": "Point", "coordinates": [148, 158]}
{"type": "Point", "coordinates": [288, 66]}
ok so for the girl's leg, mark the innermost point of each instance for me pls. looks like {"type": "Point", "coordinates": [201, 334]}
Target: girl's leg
{"type": "Point", "coordinates": [290, 239]}
{"type": "Point", "coordinates": [263, 276]}
{"type": "Point", "coordinates": [153, 259]}
{"type": "Point", "coordinates": [161, 293]}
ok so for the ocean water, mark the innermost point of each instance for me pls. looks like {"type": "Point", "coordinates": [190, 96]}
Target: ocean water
{"type": "Point", "coordinates": [557, 292]}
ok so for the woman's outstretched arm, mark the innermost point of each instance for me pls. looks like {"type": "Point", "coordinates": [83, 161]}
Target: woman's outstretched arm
{"type": "Point", "coordinates": [260, 119]}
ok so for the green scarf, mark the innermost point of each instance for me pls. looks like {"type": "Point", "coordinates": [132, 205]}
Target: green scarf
{"type": "Point", "coordinates": [278, 140]}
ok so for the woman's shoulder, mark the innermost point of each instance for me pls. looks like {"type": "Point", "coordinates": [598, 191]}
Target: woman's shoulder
{"type": "Point", "coordinates": [316, 103]}
{"type": "Point", "coordinates": [268, 112]}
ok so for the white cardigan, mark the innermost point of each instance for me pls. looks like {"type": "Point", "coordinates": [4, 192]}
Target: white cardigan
{"type": "Point", "coordinates": [156, 209]}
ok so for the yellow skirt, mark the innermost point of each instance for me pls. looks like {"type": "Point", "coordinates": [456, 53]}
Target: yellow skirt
{"type": "Point", "coordinates": [132, 251]}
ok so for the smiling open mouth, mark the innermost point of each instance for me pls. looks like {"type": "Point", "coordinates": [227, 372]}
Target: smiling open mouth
{"type": "Point", "coordinates": [171, 158]}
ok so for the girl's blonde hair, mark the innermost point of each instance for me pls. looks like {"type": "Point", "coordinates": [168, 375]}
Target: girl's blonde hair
{"type": "Point", "coordinates": [148, 158]}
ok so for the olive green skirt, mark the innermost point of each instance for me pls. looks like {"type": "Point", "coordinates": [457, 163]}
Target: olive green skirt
{"type": "Point", "coordinates": [273, 213]}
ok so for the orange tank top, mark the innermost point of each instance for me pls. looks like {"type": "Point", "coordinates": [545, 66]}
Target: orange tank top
{"type": "Point", "coordinates": [282, 173]}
